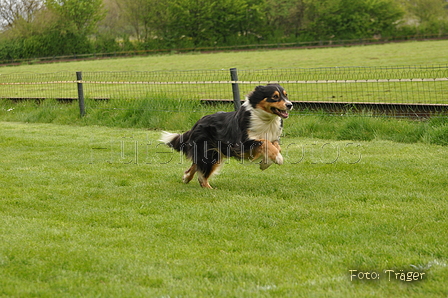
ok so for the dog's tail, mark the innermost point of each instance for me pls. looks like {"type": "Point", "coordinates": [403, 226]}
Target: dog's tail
{"type": "Point", "coordinates": [174, 140]}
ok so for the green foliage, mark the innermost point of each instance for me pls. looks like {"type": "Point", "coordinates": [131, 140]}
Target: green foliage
{"type": "Point", "coordinates": [11, 49]}
{"type": "Point", "coordinates": [75, 27]}
{"type": "Point", "coordinates": [208, 23]}
{"type": "Point", "coordinates": [64, 28]}
{"type": "Point", "coordinates": [425, 16]}
{"type": "Point", "coordinates": [350, 19]}
{"type": "Point", "coordinates": [80, 16]}
{"type": "Point", "coordinates": [106, 43]}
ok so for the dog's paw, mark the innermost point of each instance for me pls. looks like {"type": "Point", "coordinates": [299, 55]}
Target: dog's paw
{"type": "Point", "coordinates": [279, 159]}
{"type": "Point", "coordinates": [267, 163]}
{"type": "Point", "coordinates": [186, 178]}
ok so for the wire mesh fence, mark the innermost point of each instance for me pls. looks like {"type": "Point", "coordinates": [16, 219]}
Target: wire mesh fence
{"type": "Point", "coordinates": [319, 88]}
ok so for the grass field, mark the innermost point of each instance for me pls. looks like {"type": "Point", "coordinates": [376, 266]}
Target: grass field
{"type": "Point", "coordinates": [181, 115]}
{"type": "Point", "coordinates": [405, 53]}
{"type": "Point", "coordinates": [95, 207]}
{"type": "Point", "coordinates": [94, 211]}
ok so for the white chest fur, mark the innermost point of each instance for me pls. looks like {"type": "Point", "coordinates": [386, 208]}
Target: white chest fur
{"type": "Point", "coordinates": [264, 125]}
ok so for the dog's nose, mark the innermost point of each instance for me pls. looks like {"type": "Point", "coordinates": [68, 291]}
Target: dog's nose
{"type": "Point", "coordinates": [289, 105]}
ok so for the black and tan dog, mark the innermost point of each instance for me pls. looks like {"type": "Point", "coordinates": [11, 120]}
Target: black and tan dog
{"type": "Point", "coordinates": [252, 133]}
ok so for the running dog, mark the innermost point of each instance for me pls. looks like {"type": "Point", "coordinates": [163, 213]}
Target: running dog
{"type": "Point", "coordinates": [253, 132]}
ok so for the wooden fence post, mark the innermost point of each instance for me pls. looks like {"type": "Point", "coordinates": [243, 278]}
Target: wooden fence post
{"type": "Point", "coordinates": [82, 107]}
{"type": "Point", "coordinates": [235, 89]}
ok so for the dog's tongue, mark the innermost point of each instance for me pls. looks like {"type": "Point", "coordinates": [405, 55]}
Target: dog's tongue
{"type": "Point", "coordinates": [283, 114]}
{"type": "Point", "coordinates": [280, 113]}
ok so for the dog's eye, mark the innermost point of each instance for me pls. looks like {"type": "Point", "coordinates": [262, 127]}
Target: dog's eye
{"type": "Point", "coordinates": [275, 97]}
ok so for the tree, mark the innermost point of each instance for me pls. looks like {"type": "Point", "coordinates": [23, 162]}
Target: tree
{"type": "Point", "coordinates": [12, 11]}
{"type": "Point", "coordinates": [351, 19]}
{"type": "Point", "coordinates": [137, 14]}
{"type": "Point", "coordinates": [209, 22]}
{"type": "Point", "coordinates": [429, 16]}
{"type": "Point", "coordinates": [227, 18]}
{"type": "Point", "coordinates": [192, 21]}
{"type": "Point", "coordinates": [113, 22]}
{"type": "Point", "coordinates": [75, 21]}
{"type": "Point", "coordinates": [82, 15]}
{"type": "Point", "coordinates": [287, 16]}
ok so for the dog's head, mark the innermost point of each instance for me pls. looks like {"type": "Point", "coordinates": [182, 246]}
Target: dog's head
{"type": "Point", "coordinates": [272, 99]}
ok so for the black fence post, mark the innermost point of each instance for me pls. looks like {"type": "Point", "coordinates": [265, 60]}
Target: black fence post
{"type": "Point", "coordinates": [235, 89]}
{"type": "Point", "coordinates": [82, 107]}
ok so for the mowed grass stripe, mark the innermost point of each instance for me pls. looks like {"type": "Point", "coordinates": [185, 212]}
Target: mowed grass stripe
{"type": "Point", "coordinates": [392, 54]}
{"type": "Point", "coordinates": [78, 220]}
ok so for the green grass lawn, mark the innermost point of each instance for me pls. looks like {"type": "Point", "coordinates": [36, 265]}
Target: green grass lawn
{"type": "Point", "coordinates": [89, 210]}
{"type": "Point", "coordinates": [93, 211]}
{"type": "Point", "coordinates": [404, 53]}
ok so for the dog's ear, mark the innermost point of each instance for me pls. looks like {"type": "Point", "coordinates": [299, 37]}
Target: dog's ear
{"type": "Point", "coordinates": [259, 88]}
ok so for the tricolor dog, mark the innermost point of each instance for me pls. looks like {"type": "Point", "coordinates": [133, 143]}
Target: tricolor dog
{"type": "Point", "coordinates": [252, 132]}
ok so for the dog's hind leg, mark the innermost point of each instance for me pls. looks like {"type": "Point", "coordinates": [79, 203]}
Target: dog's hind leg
{"type": "Point", "coordinates": [203, 178]}
{"type": "Point", "coordinates": [206, 171]}
{"type": "Point", "coordinates": [189, 174]}
{"type": "Point", "coordinates": [203, 181]}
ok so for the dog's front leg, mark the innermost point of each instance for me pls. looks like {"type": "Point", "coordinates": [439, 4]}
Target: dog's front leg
{"type": "Point", "coordinates": [277, 145]}
{"type": "Point", "coordinates": [270, 153]}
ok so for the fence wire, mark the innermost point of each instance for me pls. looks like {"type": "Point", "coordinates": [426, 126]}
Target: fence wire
{"type": "Point", "coordinates": [406, 86]}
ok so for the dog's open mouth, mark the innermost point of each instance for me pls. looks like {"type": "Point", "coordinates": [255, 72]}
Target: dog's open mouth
{"type": "Point", "coordinates": [281, 113]}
